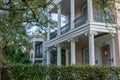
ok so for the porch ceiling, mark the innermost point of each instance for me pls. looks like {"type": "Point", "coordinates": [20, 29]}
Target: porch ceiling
{"type": "Point", "coordinates": [65, 6]}
{"type": "Point", "coordinates": [82, 39]}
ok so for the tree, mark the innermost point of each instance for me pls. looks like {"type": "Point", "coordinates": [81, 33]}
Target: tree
{"type": "Point", "coordinates": [16, 55]}
{"type": "Point", "coordinates": [15, 16]}
{"type": "Point", "coordinates": [108, 7]}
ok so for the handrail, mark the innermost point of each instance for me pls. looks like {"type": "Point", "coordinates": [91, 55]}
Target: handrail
{"type": "Point", "coordinates": [65, 28]}
{"type": "Point", "coordinates": [104, 18]}
{"type": "Point", "coordinates": [80, 20]}
{"type": "Point", "coordinates": [53, 34]}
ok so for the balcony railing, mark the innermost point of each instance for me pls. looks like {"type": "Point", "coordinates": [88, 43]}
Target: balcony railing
{"type": "Point", "coordinates": [65, 28]}
{"type": "Point", "coordinates": [101, 17]}
{"type": "Point", "coordinates": [98, 17]}
{"type": "Point", "coordinates": [80, 20]}
{"type": "Point", "coordinates": [53, 34]}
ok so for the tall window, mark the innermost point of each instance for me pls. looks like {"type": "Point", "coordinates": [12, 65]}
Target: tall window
{"type": "Point", "coordinates": [84, 10]}
{"type": "Point", "coordinates": [85, 55]}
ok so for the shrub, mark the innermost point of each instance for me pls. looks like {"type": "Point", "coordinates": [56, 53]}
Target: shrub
{"type": "Point", "coordinates": [53, 72]}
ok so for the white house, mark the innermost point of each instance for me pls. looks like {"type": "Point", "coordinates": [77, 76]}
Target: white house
{"type": "Point", "coordinates": [85, 36]}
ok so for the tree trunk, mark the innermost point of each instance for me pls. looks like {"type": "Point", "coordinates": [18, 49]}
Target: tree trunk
{"type": "Point", "coordinates": [1, 57]}
{"type": "Point", "coordinates": [1, 63]}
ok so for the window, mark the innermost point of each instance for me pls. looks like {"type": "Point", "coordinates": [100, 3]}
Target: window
{"type": "Point", "coordinates": [84, 10]}
{"type": "Point", "coordinates": [85, 55]}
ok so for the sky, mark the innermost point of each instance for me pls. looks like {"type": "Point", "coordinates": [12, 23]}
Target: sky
{"type": "Point", "coordinates": [53, 17]}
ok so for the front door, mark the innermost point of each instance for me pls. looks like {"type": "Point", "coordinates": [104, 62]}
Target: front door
{"type": "Point", "coordinates": [106, 55]}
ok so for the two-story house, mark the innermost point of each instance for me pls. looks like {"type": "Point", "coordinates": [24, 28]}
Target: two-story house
{"type": "Point", "coordinates": [86, 36]}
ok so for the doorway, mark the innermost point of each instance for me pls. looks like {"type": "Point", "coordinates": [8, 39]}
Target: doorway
{"type": "Point", "coordinates": [106, 55]}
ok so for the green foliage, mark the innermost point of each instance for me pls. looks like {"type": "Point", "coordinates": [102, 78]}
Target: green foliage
{"type": "Point", "coordinates": [107, 7]}
{"type": "Point", "coordinates": [54, 57]}
{"type": "Point", "coordinates": [53, 72]}
{"type": "Point", "coordinates": [16, 55]}
{"type": "Point", "coordinates": [16, 16]}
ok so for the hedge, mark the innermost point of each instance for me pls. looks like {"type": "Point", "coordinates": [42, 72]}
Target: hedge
{"type": "Point", "coordinates": [53, 72]}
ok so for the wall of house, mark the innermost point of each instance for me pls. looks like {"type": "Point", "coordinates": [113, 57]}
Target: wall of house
{"type": "Point", "coordinates": [79, 47]}
{"type": "Point", "coordinates": [99, 43]}
{"type": "Point", "coordinates": [77, 11]}
{"type": "Point", "coordinates": [117, 38]}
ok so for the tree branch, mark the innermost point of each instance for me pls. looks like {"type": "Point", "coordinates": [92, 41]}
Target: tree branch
{"type": "Point", "coordinates": [8, 9]}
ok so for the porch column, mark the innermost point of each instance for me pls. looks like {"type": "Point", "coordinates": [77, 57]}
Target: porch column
{"type": "Point", "coordinates": [72, 9]}
{"type": "Point", "coordinates": [113, 58]}
{"type": "Point", "coordinates": [33, 52]}
{"type": "Point", "coordinates": [58, 55]}
{"type": "Point", "coordinates": [73, 55]}
{"type": "Point", "coordinates": [48, 56]}
{"type": "Point", "coordinates": [91, 48]}
{"type": "Point", "coordinates": [48, 29]}
{"type": "Point", "coordinates": [90, 10]}
{"type": "Point", "coordinates": [59, 20]}
{"type": "Point", "coordinates": [67, 56]}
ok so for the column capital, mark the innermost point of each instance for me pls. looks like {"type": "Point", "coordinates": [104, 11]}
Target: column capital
{"type": "Point", "coordinates": [91, 33]}
{"type": "Point", "coordinates": [58, 45]}
{"type": "Point", "coordinates": [58, 6]}
{"type": "Point", "coordinates": [48, 48]}
{"type": "Point", "coordinates": [68, 40]}
{"type": "Point", "coordinates": [72, 39]}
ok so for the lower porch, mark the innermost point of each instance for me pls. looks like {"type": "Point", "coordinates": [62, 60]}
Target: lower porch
{"type": "Point", "coordinates": [80, 53]}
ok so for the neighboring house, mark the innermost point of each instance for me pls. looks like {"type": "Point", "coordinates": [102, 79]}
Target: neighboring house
{"type": "Point", "coordinates": [37, 54]}
{"type": "Point", "coordinates": [85, 37]}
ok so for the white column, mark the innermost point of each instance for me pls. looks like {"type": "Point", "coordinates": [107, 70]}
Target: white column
{"type": "Point", "coordinates": [59, 20]}
{"type": "Point", "coordinates": [90, 10]}
{"type": "Point", "coordinates": [67, 56]}
{"type": "Point", "coordinates": [72, 9]}
{"type": "Point", "coordinates": [43, 52]}
{"type": "Point", "coordinates": [91, 49]}
{"type": "Point", "coordinates": [58, 55]}
{"type": "Point", "coordinates": [48, 29]}
{"type": "Point", "coordinates": [113, 58]}
{"type": "Point", "coordinates": [73, 55]}
{"type": "Point", "coordinates": [48, 56]}
{"type": "Point", "coordinates": [33, 52]}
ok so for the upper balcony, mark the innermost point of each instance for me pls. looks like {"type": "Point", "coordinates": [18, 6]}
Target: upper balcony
{"type": "Point", "coordinates": [98, 17]}
{"type": "Point", "coordinates": [81, 16]}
